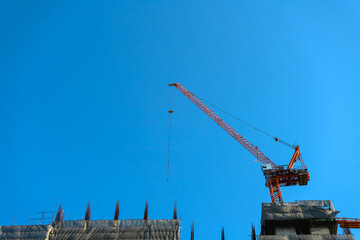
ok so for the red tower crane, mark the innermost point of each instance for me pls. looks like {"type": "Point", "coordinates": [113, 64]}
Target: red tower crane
{"type": "Point", "coordinates": [275, 176]}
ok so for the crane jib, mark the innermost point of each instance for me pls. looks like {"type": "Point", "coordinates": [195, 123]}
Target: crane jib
{"type": "Point", "coordinates": [274, 175]}
{"type": "Point", "coordinates": [252, 149]}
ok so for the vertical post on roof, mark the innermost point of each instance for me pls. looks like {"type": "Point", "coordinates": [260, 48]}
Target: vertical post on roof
{"type": "Point", "coordinates": [253, 235]}
{"type": "Point", "coordinates": [175, 211]}
{"type": "Point", "coordinates": [146, 212]}
{"type": "Point", "coordinates": [192, 231]}
{"type": "Point", "coordinates": [222, 234]}
{"type": "Point", "coordinates": [88, 212]}
{"type": "Point", "coordinates": [13, 221]}
{"type": "Point", "coordinates": [117, 210]}
{"type": "Point", "coordinates": [59, 214]}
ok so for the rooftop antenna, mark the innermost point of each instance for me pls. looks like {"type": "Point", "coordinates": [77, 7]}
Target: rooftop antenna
{"type": "Point", "coordinates": [52, 217]}
{"type": "Point", "coordinates": [44, 216]}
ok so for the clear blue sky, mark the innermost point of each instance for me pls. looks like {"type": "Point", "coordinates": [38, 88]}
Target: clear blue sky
{"type": "Point", "coordinates": [84, 101]}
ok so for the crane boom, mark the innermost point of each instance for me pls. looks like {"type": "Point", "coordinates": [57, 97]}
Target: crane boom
{"type": "Point", "coordinates": [275, 176]}
{"type": "Point", "coordinates": [245, 143]}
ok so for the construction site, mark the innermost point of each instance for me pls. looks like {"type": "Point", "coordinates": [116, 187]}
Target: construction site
{"type": "Point", "coordinates": [280, 220]}
{"type": "Point", "coordinates": [179, 120]}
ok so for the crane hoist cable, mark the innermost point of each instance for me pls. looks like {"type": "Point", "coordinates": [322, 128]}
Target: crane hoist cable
{"type": "Point", "coordinates": [168, 165]}
{"type": "Point", "coordinates": [246, 123]}
{"type": "Point", "coordinates": [170, 112]}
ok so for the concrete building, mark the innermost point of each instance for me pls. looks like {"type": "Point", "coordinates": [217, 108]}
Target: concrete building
{"type": "Point", "coordinates": [304, 220]}
{"type": "Point", "coordinates": [165, 229]}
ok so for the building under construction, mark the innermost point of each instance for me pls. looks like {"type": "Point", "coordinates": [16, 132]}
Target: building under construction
{"type": "Point", "coordinates": [304, 220]}
{"type": "Point", "coordinates": [60, 229]}
{"type": "Point", "coordinates": [165, 229]}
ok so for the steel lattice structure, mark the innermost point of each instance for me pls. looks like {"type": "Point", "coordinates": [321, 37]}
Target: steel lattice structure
{"type": "Point", "coordinates": [275, 176]}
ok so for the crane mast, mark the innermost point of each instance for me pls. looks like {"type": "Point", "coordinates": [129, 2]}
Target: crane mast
{"type": "Point", "coordinates": [275, 176]}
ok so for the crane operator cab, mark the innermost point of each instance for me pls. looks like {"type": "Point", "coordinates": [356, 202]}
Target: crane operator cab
{"type": "Point", "coordinates": [265, 168]}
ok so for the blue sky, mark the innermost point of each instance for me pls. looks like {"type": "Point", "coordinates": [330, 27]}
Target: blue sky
{"type": "Point", "coordinates": [84, 101]}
